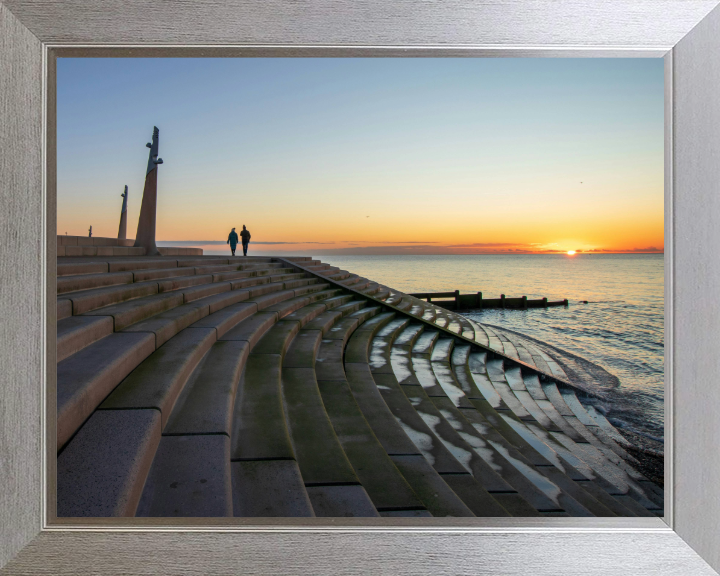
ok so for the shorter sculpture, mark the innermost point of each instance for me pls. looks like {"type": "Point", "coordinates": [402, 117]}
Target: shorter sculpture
{"type": "Point", "coordinates": [122, 231]}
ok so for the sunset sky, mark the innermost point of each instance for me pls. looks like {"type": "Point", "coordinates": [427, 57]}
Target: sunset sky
{"type": "Point", "coordinates": [370, 156]}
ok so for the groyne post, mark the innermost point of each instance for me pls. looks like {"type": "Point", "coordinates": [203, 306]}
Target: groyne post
{"type": "Point", "coordinates": [545, 303]}
{"type": "Point", "coordinates": [479, 300]}
{"type": "Point", "coordinates": [524, 302]}
{"type": "Point", "coordinates": [457, 299]}
{"type": "Point", "coordinates": [502, 301]}
{"type": "Point", "coordinates": [565, 302]}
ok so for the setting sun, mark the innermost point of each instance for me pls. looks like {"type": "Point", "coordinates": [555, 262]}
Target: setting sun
{"type": "Point", "coordinates": [571, 252]}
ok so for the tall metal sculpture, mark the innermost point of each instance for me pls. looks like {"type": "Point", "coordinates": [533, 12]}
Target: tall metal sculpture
{"type": "Point", "coordinates": [122, 231]}
{"type": "Point", "coordinates": [145, 237]}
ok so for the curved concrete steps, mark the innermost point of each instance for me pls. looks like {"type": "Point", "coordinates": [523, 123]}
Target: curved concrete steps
{"type": "Point", "coordinates": [252, 387]}
{"type": "Point", "coordinates": [599, 443]}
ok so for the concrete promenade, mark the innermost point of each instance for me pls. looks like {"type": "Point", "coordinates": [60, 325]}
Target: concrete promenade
{"type": "Point", "coordinates": [249, 386]}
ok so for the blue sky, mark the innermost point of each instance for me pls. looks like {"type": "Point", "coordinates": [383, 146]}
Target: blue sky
{"type": "Point", "coordinates": [322, 150]}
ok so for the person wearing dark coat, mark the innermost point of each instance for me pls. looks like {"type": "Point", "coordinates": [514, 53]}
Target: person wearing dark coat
{"type": "Point", "coordinates": [233, 240]}
{"type": "Point", "coordinates": [245, 235]}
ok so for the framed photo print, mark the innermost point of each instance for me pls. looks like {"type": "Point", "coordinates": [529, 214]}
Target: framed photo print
{"type": "Point", "coordinates": [358, 288]}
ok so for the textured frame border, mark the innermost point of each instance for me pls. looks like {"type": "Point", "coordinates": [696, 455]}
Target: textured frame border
{"type": "Point", "coordinates": [28, 33]}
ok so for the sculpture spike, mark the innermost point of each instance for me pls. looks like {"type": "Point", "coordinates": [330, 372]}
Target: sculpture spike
{"type": "Point", "coordinates": [145, 237]}
{"type": "Point", "coordinates": [122, 230]}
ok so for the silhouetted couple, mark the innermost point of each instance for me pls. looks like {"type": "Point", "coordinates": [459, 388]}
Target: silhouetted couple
{"type": "Point", "coordinates": [233, 240]}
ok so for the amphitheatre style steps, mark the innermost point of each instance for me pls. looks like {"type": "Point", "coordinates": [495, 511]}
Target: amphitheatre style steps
{"type": "Point", "coordinates": [207, 386]}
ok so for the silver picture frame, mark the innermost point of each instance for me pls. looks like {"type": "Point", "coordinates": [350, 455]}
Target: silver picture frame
{"type": "Point", "coordinates": [686, 33]}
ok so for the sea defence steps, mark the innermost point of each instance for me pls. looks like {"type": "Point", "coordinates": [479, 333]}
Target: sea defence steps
{"type": "Point", "coordinates": [249, 387]}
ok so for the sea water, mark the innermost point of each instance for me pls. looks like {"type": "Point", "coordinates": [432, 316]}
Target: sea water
{"type": "Point", "coordinates": [619, 329]}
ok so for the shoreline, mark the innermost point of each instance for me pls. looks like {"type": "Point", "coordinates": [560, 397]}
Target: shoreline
{"type": "Point", "coordinates": [649, 453]}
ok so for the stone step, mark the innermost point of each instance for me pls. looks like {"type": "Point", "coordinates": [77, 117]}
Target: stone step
{"type": "Point", "coordinates": [339, 275]}
{"type": "Point", "coordinates": [608, 474]}
{"type": "Point", "coordinates": [67, 284]}
{"type": "Point", "coordinates": [87, 300]}
{"type": "Point", "coordinates": [405, 304]}
{"type": "Point", "coordinates": [277, 339]}
{"type": "Point", "coordinates": [308, 313]}
{"type": "Point", "coordinates": [424, 480]}
{"type": "Point", "coordinates": [252, 329]}
{"type": "Point", "coordinates": [579, 452]}
{"type": "Point", "coordinates": [324, 321]}
{"type": "Point", "coordinates": [88, 376]}
{"type": "Point", "coordinates": [365, 313]}
{"type": "Point", "coordinates": [205, 406]}
{"type": "Point", "coordinates": [381, 295]}
{"type": "Point", "coordinates": [436, 495]}
{"type": "Point", "coordinates": [259, 428]}
{"type": "Point", "coordinates": [442, 350]}
{"type": "Point", "coordinates": [162, 273]}
{"type": "Point", "coordinates": [528, 461]}
{"type": "Point", "coordinates": [386, 487]}
{"type": "Point", "coordinates": [480, 459]}
{"type": "Point", "coordinates": [64, 308]}
{"type": "Point", "coordinates": [381, 345]}
{"type": "Point", "coordinates": [328, 271]}
{"type": "Point", "coordinates": [431, 435]}
{"type": "Point", "coordinates": [274, 488]}
{"type": "Point", "coordinates": [593, 425]}
{"type": "Point", "coordinates": [141, 264]}
{"type": "Point", "coordinates": [521, 474]}
{"type": "Point", "coordinates": [357, 349]}
{"type": "Point", "coordinates": [189, 477]}
{"type": "Point", "coordinates": [350, 307]}
{"type": "Point", "coordinates": [76, 268]}
{"type": "Point", "coordinates": [483, 504]}
{"type": "Point", "coordinates": [591, 434]}
{"type": "Point", "coordinates": [480, 334]}
{"type": "Point", "coordinates": [129, 312]}
{"type": "Point", "coordinates": [292, 304]}
{"type": "Point", "coordinates": [319, 455]}
{"type": "Point", "coordinates": [167, 324]}
{"type": "Point", "coordinates": [467, 329]}
{"type": "Point", "coordinates": [103, 470]}
{"type": "Point", "coordinates": [77, 332]}
{"type": "Point", "coordinates": [178, 282]}
{"type": "Point", "coordinates": [582, 456]}
{"type": "Point", "coordinates": [341, 500]}
{"type": "Point", "coordinates": [350, 280]}
{"type": "Point", "coordinates": [159, 379]}
{"type": "Point", "coordinates": [499, 380]}
{"type": "Point", "coordinates": [251, 273]}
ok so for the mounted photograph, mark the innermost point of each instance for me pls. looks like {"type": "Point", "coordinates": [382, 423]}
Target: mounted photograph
{"type": "Point", "coordinates": [360, 287]}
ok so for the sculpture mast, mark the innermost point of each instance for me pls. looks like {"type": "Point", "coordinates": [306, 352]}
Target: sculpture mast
{"type": "Point", "coordinates": [122, 231]}
{"type": "Point", "coordinates": [145, 237]}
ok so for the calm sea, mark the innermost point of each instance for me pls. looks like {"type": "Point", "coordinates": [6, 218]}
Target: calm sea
{"type": "Point", "coordinates": [620, 329]}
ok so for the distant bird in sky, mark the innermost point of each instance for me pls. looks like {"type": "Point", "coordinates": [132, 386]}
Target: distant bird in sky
{"type": "Point", "coordinates": [367, 216]}
{"type": "Point", "coordinates": [580, 182]}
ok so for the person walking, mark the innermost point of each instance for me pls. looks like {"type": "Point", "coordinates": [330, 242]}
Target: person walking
{"type": "Point", "coordinates": [233, 240]}
{"type": "Point", "coordinates": [245, 235]}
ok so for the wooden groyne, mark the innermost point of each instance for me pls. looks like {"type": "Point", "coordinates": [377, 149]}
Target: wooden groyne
{"type": "Point", "coordinates": [478, 302]}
